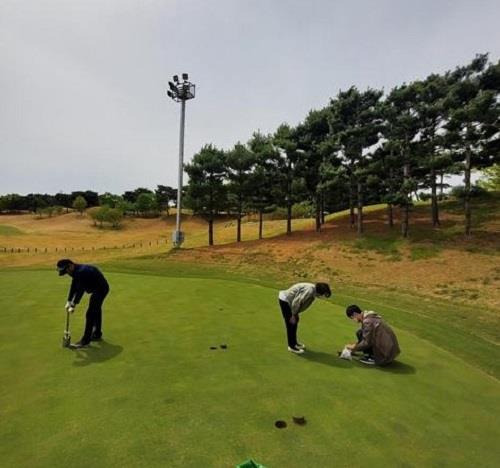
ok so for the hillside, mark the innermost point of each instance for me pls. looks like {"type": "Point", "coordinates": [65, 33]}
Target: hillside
{"type": "Point", "coordinates": [437, 263]}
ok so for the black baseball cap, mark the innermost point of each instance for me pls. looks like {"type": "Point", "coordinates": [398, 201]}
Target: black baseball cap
{"type": "Point", "coordinates": [63, 265]}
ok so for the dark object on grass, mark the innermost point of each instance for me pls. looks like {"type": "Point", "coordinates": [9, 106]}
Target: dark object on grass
{"type": "Point", "coordinates": [213, 347]}
{"type": "Point", "coordinates": [223, 346]}
{"type": "Point", "coordinates": [280, 424]}
{"type": "Point", "coordinates": [301, 421]}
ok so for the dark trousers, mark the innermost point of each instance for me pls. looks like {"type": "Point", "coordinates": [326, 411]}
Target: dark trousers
{"type": "Point", "coordinates": [359, 336]}
{"type": "Point", "coordinates": [93, 318]}
{"type": "Point", "coordinates": [291, 329]}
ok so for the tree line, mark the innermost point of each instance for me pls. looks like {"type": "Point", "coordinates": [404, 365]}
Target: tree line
{"type": "Point", "coordinates": [102, 208]}
{"type": "Point", "coordinates": [363, 147]}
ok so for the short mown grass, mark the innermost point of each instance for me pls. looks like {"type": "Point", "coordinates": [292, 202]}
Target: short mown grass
{"type": "Point", "coordinates": [155, 394]}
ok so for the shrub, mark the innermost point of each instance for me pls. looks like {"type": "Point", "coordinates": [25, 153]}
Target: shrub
{"type": "Point", "coordinates": [80, 204]}
{"type": "Point", "coordinates": [98, 214]}
{"type": "Point", "coordinates": [146, 204]}
{"type": "Point", "coordinates": [93, 213]}
{"type": "Point", "coordinates": [114, 216]}
{"type": "Point", "coordinates": [303, 210]}
{"type": "Point", "coordinates": [475, 192]}
{"type": "Point", "coordinates": [299, 210]}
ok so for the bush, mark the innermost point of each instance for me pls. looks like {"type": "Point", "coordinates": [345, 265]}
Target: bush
{"type": "Point", "coordinates": [98, 214]}
{"type": "Point", "coordinates": [105, 214]}
{"type": "Point", "coordinates": [303, 210]}
{"type": "Point", "coordinates": [299, 210]}
{"type": "Point", "coordinates": [49, 211]}
{"type": "Point", "coordinates": [80, 204]}
{"type": "Point", "coordinates": [146, 205]}
{"type": "Point", "coordinates": [475, 192]}
{"type": "Point", "coordinates": [490, 179]}
{"type": "Point", "coordinates": [114, 216]}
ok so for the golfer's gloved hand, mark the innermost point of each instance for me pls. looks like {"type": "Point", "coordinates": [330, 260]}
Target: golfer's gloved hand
{"type": "Point", "coordinates": [70, 307]}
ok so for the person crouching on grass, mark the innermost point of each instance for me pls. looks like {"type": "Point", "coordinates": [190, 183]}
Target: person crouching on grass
{"type": "Point", "coordinates": [295, 300]}
{"type": "Point", "coordinates": [375, 338]}
{"type": "Point", "coordinates": [86, 278]}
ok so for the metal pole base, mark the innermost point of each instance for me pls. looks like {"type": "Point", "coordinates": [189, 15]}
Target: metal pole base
{"type": "Point", "coordinates": [177, 238]}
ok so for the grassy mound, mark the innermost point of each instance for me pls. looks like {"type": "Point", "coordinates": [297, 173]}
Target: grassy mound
{"type": "Point", "coordinates": [6, 230]}
{"type": "Point", "coordinates": [155, 394]}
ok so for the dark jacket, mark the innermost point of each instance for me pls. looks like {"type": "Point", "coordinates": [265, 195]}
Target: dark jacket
{"type": "Point", "coordinates": [380, 337]}
{"type": "Point", "coordinates": [86, 278]}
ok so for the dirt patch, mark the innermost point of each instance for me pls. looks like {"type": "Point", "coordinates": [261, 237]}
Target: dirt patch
{"type": "Point", "coordinates": [433, 262]}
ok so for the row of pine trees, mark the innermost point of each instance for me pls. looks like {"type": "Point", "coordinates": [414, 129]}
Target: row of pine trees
{"type": "Point", "coordinates": [362, 147]}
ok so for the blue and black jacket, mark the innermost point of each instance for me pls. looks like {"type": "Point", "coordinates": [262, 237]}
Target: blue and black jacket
{"type": "Point", "coordinates": [86, 278]}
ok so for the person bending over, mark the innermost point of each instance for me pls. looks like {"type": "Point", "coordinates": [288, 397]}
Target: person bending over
{"type": "Point", "coordinates": [86, 278]}
{"type": "Point", "coordinates": [295, 300]}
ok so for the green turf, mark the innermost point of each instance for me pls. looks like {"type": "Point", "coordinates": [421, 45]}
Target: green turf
{"type": "Point", "coordinates": [154, 394]}
{"type": "Point", "coordinates": [6, 230]}
{"type": "Point", "coordinates": [455, 327]}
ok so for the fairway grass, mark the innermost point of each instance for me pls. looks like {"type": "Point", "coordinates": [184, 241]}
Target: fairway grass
{"type": "Point", "coordinates": [154, 394]}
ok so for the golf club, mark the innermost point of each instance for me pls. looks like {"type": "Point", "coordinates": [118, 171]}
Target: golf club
{"type": "Point", "coordinates": [66, 341]}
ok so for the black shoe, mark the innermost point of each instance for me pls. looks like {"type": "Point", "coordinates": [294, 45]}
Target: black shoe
{"type": "Point", "coordinates": [367, 360]}
{"type": "Point", "coordinates": [96, 338]}
{"type": "Point", "coordinates": [295, 350]}
{"type": "Point", "coordinates": [78, 345]}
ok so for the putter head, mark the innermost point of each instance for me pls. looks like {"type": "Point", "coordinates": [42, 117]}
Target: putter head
{"type": "Point", "coordinates": [66, 341]}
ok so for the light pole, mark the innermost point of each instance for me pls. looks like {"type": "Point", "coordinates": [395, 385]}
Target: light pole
{"type": "Point", "coordinates": [180, 91]}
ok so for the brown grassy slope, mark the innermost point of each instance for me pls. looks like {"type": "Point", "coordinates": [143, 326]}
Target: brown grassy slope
{"type": "Point", "coordinates": [432, 262]}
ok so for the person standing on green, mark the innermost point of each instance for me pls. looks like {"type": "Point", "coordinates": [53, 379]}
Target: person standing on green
{"type": "Point", "coordinates": [295, 300]}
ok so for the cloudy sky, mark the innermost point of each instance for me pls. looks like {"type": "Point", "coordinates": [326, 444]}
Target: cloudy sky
{"type": "Point", "coordinates": [83, 82]}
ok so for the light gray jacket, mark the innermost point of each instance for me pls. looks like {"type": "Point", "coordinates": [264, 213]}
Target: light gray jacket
{"type": "Point", "coordinates": [300, 296]}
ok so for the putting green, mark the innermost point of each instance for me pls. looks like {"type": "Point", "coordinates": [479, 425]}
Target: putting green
{"type": "Point", "coordinates": [154, 394]}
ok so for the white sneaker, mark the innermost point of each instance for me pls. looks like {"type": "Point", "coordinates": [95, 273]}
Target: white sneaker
{"type": "Point", "coordinates": [295, 350]}
{"type": "Point", "coordinates": [301, 346]}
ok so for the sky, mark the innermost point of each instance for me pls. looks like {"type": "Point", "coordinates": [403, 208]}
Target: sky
{"type": "Point", "coordinates": [83, 102]}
